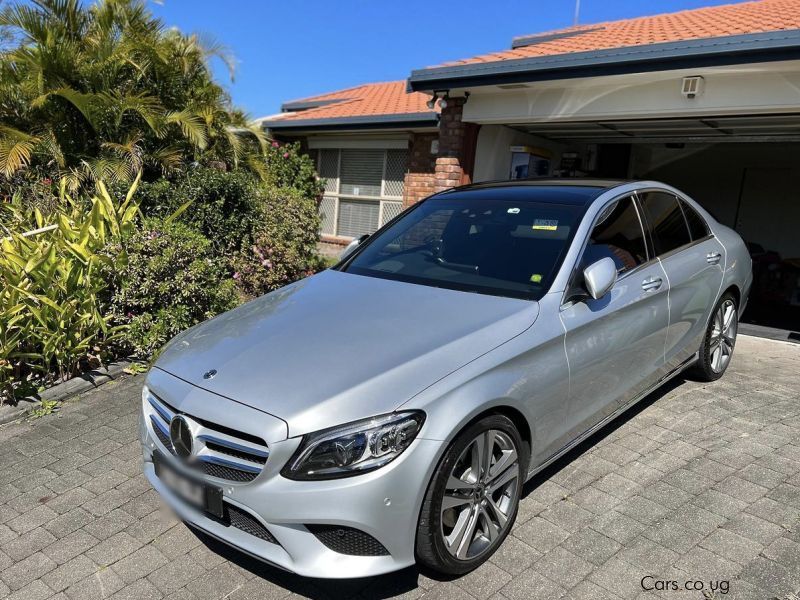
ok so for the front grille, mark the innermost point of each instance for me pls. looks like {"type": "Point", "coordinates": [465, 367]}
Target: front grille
{"type": "Point", "coordinates": [346, 540]}
{"type": "Point", "coordinates": [222, 452]}
{"type": "Point", "coordinates": [246, 522]}
{"type": "Point", "coordinates": [223, 472]}
{"type": "Point", "coordinates": [208, 468]}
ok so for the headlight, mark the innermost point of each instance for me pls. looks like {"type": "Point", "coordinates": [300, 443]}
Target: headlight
{"type": "Point", "coordinates": [354, 448]}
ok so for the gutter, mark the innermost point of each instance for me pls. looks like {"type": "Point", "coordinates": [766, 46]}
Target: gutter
{"type": "Point", "coordinates": [397, 121]}
{"type": "Point", "coordinates": [707, 52]}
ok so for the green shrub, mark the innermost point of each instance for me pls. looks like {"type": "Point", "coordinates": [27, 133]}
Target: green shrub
{"type": "Point", "coordinates": [52, 285]}
{"type": "Point", "coordinates": [224, 205]}
{"type": "Point", "coordinates": [172, 280]}
{"type": "Point", "coordinates": [284, 246]}
{"type": "Point", "coordinates": [288, 167]}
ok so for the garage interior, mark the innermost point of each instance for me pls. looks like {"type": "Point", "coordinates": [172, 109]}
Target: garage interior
{"type": "Point", "coordinates": [745, 170]}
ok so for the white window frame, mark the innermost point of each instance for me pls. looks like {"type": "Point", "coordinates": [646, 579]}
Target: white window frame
{"type": "Point", "coordinates": [337, 196]}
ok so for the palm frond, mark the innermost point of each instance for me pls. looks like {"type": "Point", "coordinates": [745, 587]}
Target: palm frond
{"type": "Point", "coordinates": [48, 145]}
{"type": "Point", "coordinates": [235, 143]}
{"type": "Point", "coordinates": [257, 132]}
{"type": "Point", "coordinates": [257, 165]}
{"type": "Point", "coordinates": [129, 151]}
{"type": "Point", "coordinates": [167, 158]}
{"type": "Point", "coordinates": [16, 148]}
{"type": "Point", "coordinates": [86, 104]}
{"type": "Point", "coordinates": [25, 21]}
{"type": "Point", "coordinates": [72, 180]}
{"type": "Point", "coordinates": [191, 125]}
{"type": "Point", "coordinates": [146, 106]}
{"type": "Point", "coordinates": [210, 47]}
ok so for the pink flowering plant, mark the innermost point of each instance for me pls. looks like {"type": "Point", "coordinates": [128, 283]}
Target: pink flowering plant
{"type": "Point", "coordinates": [288, 167]}
{"type": "Point", "coordinates": [284, 245]}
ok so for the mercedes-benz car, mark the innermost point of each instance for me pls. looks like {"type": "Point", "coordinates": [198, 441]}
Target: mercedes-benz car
{"type": "Point", "coordinates": [389, 410]}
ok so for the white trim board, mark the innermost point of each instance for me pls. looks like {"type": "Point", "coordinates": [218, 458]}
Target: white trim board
{"type": "Point", "coordinates": [342, 142]}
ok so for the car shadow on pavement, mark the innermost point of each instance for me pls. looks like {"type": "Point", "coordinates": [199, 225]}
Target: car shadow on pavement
{"type": "Point", "coordinates": [597, 437]}
{"type": "Point", "coordinates": [411, 578]}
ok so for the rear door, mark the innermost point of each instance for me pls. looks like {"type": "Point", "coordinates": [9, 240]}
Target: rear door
{"type": "Point", "coordinates": [693, 260]}
{"type": "Point", "coordinates": [615, 344]}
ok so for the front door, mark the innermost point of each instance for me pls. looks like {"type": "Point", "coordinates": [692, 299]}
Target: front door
{"type": "Point", "coordinates": [615, 344]}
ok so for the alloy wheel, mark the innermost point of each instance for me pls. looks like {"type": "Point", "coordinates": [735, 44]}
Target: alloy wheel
{"type": "Point", "coordinates": [480, 494]}
{"type": "Point", "coordinates": [723, 336]}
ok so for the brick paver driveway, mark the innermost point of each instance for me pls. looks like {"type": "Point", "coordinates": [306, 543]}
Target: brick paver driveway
{"type": "Point", "coordinates": [700, 484]}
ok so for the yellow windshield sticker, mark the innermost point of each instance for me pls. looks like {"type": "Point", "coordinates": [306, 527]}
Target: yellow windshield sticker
{"type": "Point", "coordinates": [536, 278]}
{"type": "Point", "coordinates": [545, 225]}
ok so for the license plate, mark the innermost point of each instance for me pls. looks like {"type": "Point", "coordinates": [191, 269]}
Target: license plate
{"type": "Point", "coordinates": [197, 493]}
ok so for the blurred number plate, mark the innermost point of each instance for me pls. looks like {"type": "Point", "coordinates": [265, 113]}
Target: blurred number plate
{"type": "Point", "coordinates": [198, 494]}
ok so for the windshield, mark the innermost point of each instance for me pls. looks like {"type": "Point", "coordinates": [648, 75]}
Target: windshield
{"type": "Point", "coordinates": [490, 246]}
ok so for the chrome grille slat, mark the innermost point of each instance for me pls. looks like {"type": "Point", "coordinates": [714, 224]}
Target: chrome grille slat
{"type": "Point", "coordinates": [246, 447]}
{"type": "Point", "coordinates": [229, 458]}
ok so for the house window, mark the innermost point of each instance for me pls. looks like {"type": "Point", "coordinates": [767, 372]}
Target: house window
{"type": "Point", "coordinates": [363, 189]}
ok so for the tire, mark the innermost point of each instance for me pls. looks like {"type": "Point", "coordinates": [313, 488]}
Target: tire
{"type": "Point", "coordinates": [486, 501]}
{"type": "Point", "coordinates": [719, 340]}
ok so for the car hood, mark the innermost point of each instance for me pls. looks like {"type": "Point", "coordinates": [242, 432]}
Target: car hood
{"type": "Point", "coordinates": [338, 347]}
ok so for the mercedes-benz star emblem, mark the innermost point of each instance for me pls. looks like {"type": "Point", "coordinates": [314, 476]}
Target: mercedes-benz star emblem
{"type": "Point", "coordinates": [181, 436]}
{"type": "Point", "coordinates": [209, 374]}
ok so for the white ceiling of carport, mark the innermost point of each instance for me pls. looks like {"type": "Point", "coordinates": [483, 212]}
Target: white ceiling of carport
{"type": "Point", "coordinates": [755, 128]}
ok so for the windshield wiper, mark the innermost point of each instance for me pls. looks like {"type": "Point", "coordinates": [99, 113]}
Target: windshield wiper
{"type": "Point", "coordinates": [457, 266]}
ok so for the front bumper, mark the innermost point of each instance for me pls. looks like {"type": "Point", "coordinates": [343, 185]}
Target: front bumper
{"type": "Point", "coordinates": [384, 504]}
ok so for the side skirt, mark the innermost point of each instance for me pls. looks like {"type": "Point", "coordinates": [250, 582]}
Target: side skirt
{"type": "Point", "coordinates": [592, 430]}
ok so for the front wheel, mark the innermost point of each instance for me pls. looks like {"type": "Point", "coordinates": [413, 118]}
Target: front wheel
{"type": "Point", "coordinates": [473, 496]}
{"type": "Point", "coordinates": [720, 339]}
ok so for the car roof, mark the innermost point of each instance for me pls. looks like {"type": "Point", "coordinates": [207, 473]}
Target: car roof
{"type": "Point", "coordinates": [577, 192]}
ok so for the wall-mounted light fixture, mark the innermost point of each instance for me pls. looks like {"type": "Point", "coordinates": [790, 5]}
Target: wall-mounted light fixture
{"type": "Point", "coordinates": [442, 96]}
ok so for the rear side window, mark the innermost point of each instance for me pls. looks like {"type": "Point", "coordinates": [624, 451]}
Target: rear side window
{"type": "Point", "coordinates": [697, 225]}
{"type": "Point", "coordinates": [618, 235]}
{"type": "Point", "coordinates": [666, 221]}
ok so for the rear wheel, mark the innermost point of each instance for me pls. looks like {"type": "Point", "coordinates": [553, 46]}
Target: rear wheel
{"type": "Point", "coordinates": [472, 499]}
{"type": "Point", "coordinates": [720, 339]}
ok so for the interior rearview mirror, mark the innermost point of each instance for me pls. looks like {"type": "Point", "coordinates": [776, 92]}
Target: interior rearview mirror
{"type": "Point", "coordinates": [599, 277]}
{"type": "Point", "coordinates": [352, 246]}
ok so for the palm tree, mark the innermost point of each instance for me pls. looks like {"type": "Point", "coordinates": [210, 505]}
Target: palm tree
{"type": "Point", "coordinates": [106, 91]}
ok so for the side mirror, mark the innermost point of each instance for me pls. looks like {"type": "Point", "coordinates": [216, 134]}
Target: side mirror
{"type": "Point", "coordinates": [599, 277]}
{"type": "Point", "coordinates": [352, 246]}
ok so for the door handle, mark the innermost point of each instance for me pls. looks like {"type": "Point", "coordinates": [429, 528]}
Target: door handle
{"type": "Point", "coordinates": [652, 283]}
{"type": "Point", "coordinates": [713, 258]}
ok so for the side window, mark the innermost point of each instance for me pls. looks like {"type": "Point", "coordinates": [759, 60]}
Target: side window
{"type": "Point", "coordinates": [697, 225]}
{"type": "Point", "coordinates": [666, 221]}
{"type": "Point", "coordinates": [617, 234]}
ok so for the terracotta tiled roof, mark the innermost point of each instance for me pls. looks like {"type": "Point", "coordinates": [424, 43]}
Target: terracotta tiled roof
{"type": "Point", "coordinates": [368, 100]}
{"type": "Point", "coordinates": [715, 21]}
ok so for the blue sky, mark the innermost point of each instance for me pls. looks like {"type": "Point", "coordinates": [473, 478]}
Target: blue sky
{"type": "Point", "coordinates": [296, 48]}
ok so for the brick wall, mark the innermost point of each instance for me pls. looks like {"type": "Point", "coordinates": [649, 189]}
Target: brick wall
{"type": "Point", "coordinates": [457, 140]}
{"type": "Point", "coordinates": [420, 180]}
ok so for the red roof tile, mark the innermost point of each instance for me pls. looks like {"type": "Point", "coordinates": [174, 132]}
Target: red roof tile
{"type": "Point", "coordinates": [714, 21]}
{"type": "Point", "coordinates": [371, 99]}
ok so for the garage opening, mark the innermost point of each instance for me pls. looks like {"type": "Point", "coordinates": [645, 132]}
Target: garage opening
{"type": "Point", "coordinates": [745, 170]}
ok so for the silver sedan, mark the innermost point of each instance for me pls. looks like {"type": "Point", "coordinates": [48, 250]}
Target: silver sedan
{"type": "Point", "coordinates": [389, 410]}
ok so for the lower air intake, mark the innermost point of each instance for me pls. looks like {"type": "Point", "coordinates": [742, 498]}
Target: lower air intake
{"type": "Point", "coordinates": [346, 540]}
{"type": "Point", "coordinates": [246, 522]}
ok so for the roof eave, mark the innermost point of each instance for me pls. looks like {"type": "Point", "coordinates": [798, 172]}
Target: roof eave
{"type": "Point", "coordinates": [719, 51]}
{"type": "Point", "coordinates": [398, 121]}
